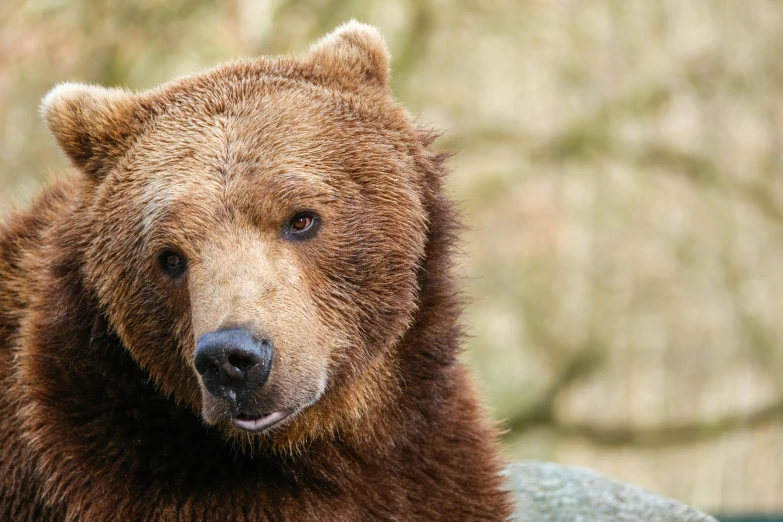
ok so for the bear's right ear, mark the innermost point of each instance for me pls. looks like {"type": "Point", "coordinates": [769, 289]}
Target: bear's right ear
{"type": "Point", "coordinates": [93, 125]}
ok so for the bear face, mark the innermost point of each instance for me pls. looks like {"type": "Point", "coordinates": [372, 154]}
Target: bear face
{"type": "Point", "coordinates": [278, 199]}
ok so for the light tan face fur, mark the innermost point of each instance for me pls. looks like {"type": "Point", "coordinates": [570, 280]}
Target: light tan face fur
{"type": "Point", "coordinates": [241, 271]}
{"type": "Point", "coordinates": [214, 167]}
{"type": "Point", "coordinates": [244, 281]}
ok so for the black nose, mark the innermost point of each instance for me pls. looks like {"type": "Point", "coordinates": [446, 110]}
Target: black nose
{"type": "Point", "coordinates": [233, 363]}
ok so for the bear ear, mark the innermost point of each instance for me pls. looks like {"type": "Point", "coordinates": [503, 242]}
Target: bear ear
{"type": "Point", "coordinates": [93, 125]}
{"type": "Point", "coordinates": [354, 56]}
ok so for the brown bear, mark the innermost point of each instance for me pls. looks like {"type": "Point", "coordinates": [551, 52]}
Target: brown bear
{"type": "Point", "coordinates": [240, 307]}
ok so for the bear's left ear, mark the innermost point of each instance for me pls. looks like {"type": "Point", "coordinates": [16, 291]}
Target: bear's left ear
{"type": "Point", "coordinates": [93, 125]}
{"type": "Point", "coordinates": [354, 56]}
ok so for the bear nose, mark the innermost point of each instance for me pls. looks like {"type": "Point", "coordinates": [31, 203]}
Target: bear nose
{"type": "Point", "coordinates": [232, 362]}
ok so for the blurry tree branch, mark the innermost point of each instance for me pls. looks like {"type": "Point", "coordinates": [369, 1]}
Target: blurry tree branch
{"type": "Point", "coordinates": [670, 435]}
{"type": "Point", "coordinates": [542, 412]}
{"type": "Point", "coordinates": [702, 170]}
{"type": "Point", "coordinates": [756, 336]}
{"type": "Point", "coordinates": [592, 137]}
{"type": "Point", "coordinates": [417, 40]}
{"type": "Point", "coordinates": [585, 137]}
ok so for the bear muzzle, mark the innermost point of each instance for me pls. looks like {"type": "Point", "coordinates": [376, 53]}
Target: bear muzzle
{"type": "Point", "coordinates": [234, 365]}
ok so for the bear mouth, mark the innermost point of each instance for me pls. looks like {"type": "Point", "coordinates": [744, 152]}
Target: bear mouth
{"type": "Point", "coordinates": [259, 422]}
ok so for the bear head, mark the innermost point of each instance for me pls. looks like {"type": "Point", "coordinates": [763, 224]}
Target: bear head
{"type": "Point", "coordinates": [256, 232]}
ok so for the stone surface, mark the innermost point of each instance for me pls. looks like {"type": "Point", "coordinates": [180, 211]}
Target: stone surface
{"type": "Point", "coordinates": [555, 493]}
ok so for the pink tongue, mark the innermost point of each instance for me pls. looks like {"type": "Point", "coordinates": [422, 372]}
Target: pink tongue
{"type": "Point", "coordinates": [258, 423]}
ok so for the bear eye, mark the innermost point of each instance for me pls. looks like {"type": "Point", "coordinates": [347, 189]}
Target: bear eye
{"type": "Point", "coordinates": [173, 263]}
{"type": "Point", "coordinates": [301, 222]}
{"type": "Point", "coordinates": [303, 225]}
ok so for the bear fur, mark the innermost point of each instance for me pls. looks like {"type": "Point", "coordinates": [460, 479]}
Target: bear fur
{"type": "Point", "coordinates": [102, 413]}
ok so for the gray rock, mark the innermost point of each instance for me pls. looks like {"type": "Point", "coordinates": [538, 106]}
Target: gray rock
{"type": "Point", "coordinates": [554, 493]}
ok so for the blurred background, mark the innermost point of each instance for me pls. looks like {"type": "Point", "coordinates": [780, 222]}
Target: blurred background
{"type": "Point", "coordinates": [620, 164]}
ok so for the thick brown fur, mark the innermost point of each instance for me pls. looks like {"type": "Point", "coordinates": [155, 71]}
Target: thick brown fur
{"type": "Point", "coordinates": [102, 415]}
